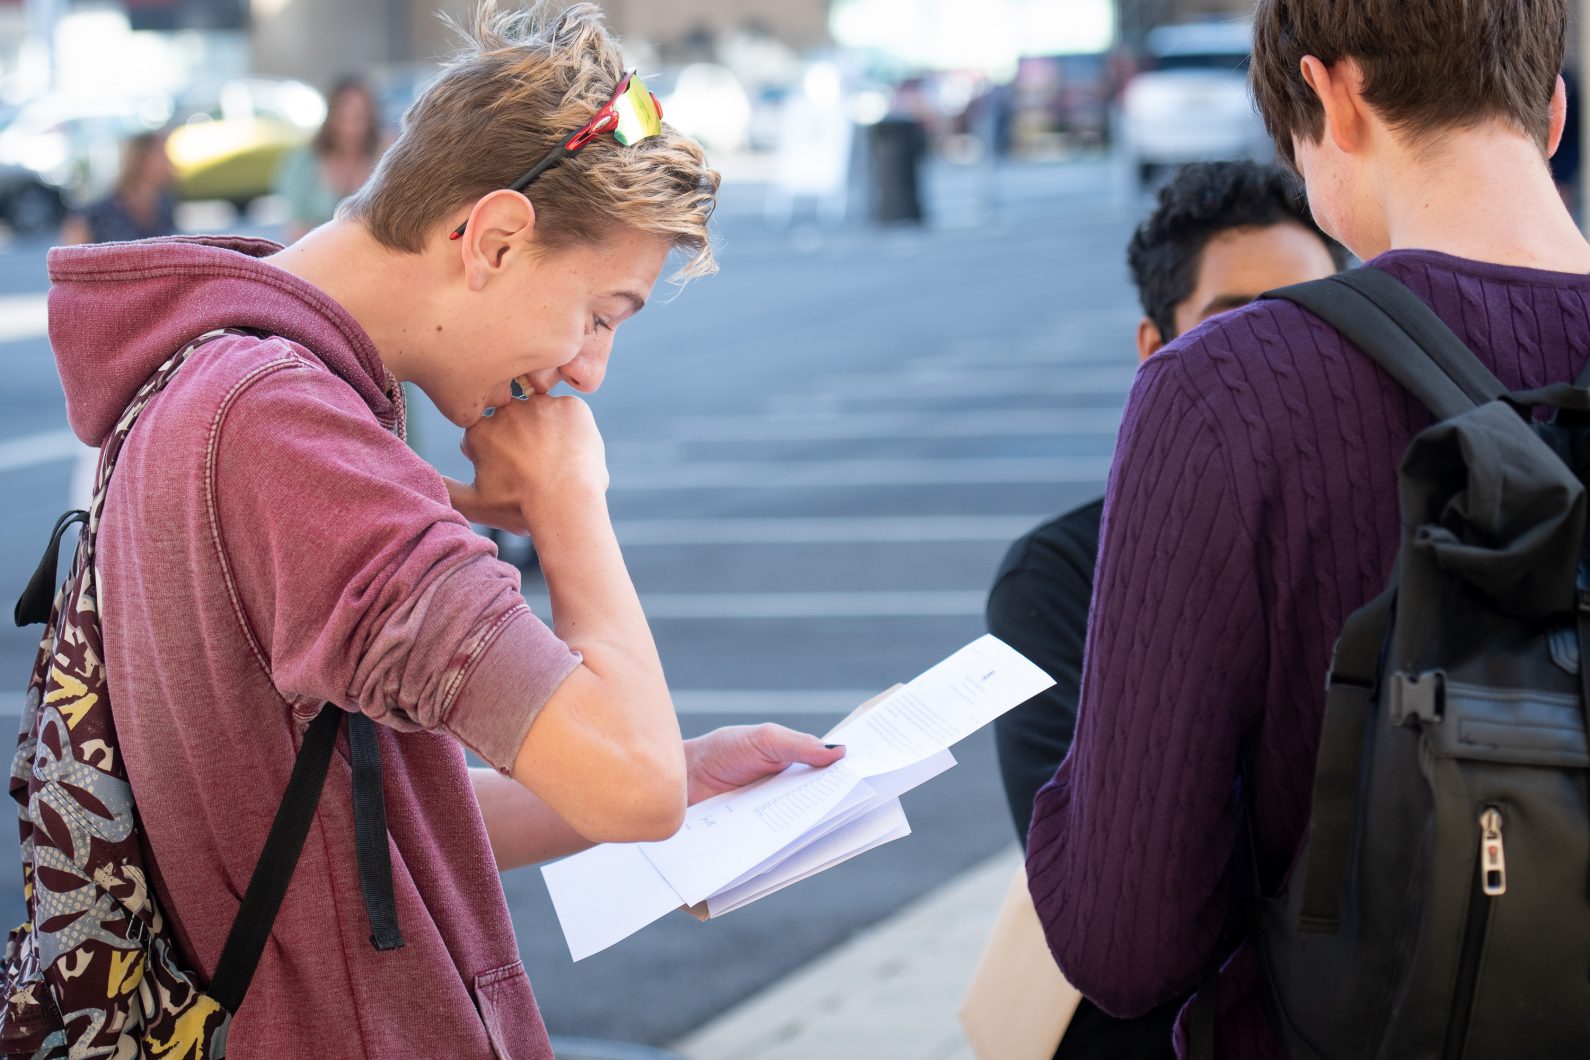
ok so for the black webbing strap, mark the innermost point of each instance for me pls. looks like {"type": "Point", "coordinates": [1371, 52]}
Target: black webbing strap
{"type": "Point", "coordinates": [33, 606]}
{"type": "Point", "coordinates": [1389, 323]}
{"type": "Point", "coordinates": [1584, 377]}
{"type": "Point", "coordinates": [1421, 323]}
{"type": "Point", "coordinates": [1201, 1020]}
{"type": "Point", "coordinates": [274, 870]}
{"type": "Point", "coordinates": [1349, 704]}
{"type": "Point", "coordinates": [369, 829]}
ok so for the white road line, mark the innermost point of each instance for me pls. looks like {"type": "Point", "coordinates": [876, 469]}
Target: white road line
{"type": "Point", "coordinates": [31, 450]}
{"type": "Point", "coordinates": [1062, 358]}
{"type": "Point", "coordinates": [23, 316]}
{"type": "Point", "coordinates": [887, 529]}
{"type": "Point", "coordinates": [945, 471]}
{"type": "Point", "coordinates": [983, 382]}
{"type": "Point", "coordinates": [747, 606]}
{"type": "Point", "coordinates": [978, 423]}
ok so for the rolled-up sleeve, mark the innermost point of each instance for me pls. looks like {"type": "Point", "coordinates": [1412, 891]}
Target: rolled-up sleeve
{"type": "Point", "coordinates": [356, 581]}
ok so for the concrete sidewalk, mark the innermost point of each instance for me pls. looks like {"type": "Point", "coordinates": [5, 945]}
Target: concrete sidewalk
{"type": "Point", "coordinates": [890, 993]}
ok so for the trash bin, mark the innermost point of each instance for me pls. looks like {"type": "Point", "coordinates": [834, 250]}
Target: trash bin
{"type": "Point", "coordinates": [897, 147]}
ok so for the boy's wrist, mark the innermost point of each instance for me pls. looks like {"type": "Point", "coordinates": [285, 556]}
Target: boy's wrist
{"type": "Point", "coordinates": [570, 510]}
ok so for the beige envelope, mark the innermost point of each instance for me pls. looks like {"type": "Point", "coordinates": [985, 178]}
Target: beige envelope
{"type": "Point", "coordinates": [1019, 1004]}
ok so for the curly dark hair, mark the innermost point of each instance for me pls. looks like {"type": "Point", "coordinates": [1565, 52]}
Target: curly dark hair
{"type": "Point", "coordinates": [1200, 202]}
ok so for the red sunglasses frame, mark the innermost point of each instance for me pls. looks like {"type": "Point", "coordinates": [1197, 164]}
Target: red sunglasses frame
{"type": "Point", "coordinates": [605, 120]}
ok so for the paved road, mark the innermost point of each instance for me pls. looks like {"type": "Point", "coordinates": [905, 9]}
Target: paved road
{"type": "Point", "coordinates": [818, 458]}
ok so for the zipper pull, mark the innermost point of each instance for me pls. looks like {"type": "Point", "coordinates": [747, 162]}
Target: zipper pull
{"type": "Point", "coordinates": [1493, 858]}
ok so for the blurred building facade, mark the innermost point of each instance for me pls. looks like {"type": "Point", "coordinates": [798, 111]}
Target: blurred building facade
{"type": "Point", "coordinates": [317, 41]}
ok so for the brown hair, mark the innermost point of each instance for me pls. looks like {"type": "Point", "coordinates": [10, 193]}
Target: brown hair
{"type": "Point", "coordinates": [134, 154]}
{"type": "Point", "coordinates": [522, 82]}
{"type": "Point", "coordinates": [1428, 65]}
{"type": "Point", "coordinates": [323, 141]}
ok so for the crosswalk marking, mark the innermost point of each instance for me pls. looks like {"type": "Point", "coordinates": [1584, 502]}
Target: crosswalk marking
{"type": "Point", "coordinates": [883, 529]}
{"type": "Point", "coordinates": [32, 450]}
{"type": "Point", "coordinates": [894, 471]}
{"type": "Point", "coordinates": [861, 426]}
{"type": "Point", "coordinates": [898, 604]}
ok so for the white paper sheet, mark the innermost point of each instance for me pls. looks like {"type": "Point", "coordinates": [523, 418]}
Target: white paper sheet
{"type": "Point", "coordinates": [863, 799]}
{"type": "Point", "coordinates": [605, 895]}
{"type": "Point", "coordinates": [726, 835]}
{"type": "Point", "coordinates": [609, 892]}
{"type": "Point", "coordinates": [941, 707]}
{"type": "Point", "coordinates": [745, 844]}
{"type": "Point", "coordinates": [882, 824]}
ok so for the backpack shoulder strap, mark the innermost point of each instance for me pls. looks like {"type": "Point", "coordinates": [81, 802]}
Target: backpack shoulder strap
{"type": "Point", "coordinates": [1392, 325]}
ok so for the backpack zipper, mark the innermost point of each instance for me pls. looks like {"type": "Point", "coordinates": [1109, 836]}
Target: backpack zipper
{"type": "Point", "coordinates": [1489, 884]}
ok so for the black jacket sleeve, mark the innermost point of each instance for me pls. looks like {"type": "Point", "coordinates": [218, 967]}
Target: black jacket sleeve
{"type": "Point", "coordinates": [1039, 606]}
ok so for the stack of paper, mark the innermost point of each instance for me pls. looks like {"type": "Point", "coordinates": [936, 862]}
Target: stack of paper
{"type": "Point", "coordinates": [746, 844]}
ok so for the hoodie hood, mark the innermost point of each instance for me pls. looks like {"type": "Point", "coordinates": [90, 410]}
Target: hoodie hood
{"type": "Point", "coordinates": [117, 311]}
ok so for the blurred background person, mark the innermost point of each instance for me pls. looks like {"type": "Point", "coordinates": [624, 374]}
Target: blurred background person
{"type": "Point", "coordinates": [337, 162]}
{"type": "Point", "coordinates": [1221, 234]}
{"type": "Point", "coordinates": [142, 205]}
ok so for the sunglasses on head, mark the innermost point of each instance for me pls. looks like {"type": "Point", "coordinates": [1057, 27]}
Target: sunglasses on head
{"type": "Point", "coordinates": [632, 115]}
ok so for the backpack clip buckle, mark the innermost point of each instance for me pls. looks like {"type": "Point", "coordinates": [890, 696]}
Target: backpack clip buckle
{"type": "Point", "coordinates": [1421, 696]}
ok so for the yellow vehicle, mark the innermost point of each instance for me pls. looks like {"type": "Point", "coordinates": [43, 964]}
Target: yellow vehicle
{"type": "Point", "coordinates": [228, 140]}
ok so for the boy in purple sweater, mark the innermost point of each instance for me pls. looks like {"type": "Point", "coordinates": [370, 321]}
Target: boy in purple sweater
{"type": "Point", "coordinates": [1222, 234]}
{"type": "Point", "coordinates": [1252, 505]}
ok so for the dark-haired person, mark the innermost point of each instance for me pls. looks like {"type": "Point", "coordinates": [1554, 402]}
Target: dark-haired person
{"type": "Point", "coordinates": [141, 206]}
{"type": "Point", "coordinates": [336, 163]}
{"type": "Point", "coordinates": [1221, 234]}
{"type": "Point", "coordinates": [1252, 505]}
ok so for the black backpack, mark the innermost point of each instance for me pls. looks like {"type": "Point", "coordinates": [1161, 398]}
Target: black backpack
{"type": "Point", "coordinates": [1440, 906]}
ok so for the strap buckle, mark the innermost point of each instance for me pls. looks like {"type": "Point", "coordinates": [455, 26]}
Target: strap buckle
{"type": "Point", "coordinates": [1421, 696]}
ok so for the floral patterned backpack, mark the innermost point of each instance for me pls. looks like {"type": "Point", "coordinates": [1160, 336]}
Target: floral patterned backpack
{"type": "Point", "coordinates": [96, 970]}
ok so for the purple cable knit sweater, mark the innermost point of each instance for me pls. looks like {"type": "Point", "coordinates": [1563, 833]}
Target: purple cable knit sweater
{"type": "Point", "coordinates": [1251, 508]}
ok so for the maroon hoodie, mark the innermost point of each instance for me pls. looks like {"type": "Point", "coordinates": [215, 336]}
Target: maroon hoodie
{"type": "Point", "coordinates": [269, 544]}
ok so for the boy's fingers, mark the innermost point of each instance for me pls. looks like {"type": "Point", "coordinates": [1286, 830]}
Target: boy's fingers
{"type": "Point", "coordinates": [788, 746]}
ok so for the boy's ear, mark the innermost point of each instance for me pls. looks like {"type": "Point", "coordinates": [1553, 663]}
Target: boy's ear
{"type": "Point", "coordinates": [1340, 91]}
{"type": "Point", "coordinates": [1559, 117]}
{"type": "Point", "coordinates": [501, 224]}
{"type": "Point", "coordinates": [1149, 339]}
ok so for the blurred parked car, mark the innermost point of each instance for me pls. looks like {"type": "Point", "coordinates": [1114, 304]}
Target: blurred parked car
{"type": "Point", "coordinates": [61, 150]}
{"type": "Point", "coordinates": [29, 203]}
{"type": "Point", "coordinates": [1063, 95]}
{"type": "Point", "coordinates": [1193, 103]}
{"type": "Point", "coordinates": [229, 138]}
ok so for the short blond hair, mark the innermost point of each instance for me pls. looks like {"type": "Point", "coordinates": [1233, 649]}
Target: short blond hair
{"type": "Point", "coordinates": [522, 82]}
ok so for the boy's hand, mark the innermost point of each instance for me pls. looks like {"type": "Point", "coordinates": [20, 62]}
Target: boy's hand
{"type": "Point", "coordinates": [737, 755]}
{"type": "Point", "coordinates": [528, 456]}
